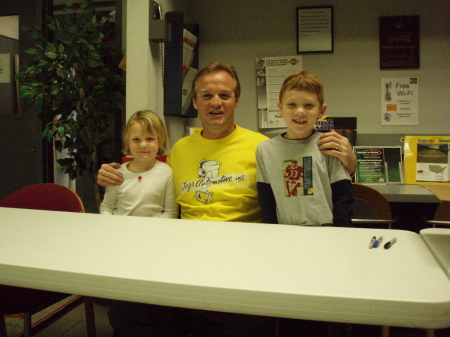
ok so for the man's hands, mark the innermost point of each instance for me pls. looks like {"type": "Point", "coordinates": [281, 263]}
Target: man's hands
{"type": "Point", "coordinates": [334, 144]}
{"type": "Point", "coordinates": [109, 176]}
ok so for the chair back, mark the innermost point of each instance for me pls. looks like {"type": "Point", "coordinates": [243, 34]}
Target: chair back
{"type": "Point", "coordinates": [45, 196]}
{"type": "Point", "coordinates": [162, 158]}
{"type": "Point", "coordinates": [443, 211]}
{"type": "Point", "coordinates": [369, 203]}
{"type": "Point", "coordinates": [370, 207]}
{"type": "Point", "coordinates": [441, 217]}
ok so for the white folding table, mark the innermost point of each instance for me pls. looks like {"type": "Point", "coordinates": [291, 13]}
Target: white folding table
{"type": "Point", "coordinates": [314, 273]}
{"type": "Point", "coordinates": [438, 241]}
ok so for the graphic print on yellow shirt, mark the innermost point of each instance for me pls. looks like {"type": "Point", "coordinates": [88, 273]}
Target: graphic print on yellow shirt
{"type": "Point", "coordinates": [209, 178]}
{"type": "Point", "coordinates": [297, 174]}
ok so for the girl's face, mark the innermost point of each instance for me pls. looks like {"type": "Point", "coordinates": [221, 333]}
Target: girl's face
{"type": "Point", "coordinates": [300, 110]}
{"type": "Point", "coordinates": [143, 145]}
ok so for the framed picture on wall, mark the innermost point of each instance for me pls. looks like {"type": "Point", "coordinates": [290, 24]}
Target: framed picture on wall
{"type": "Point", "coordinates": [315, 29]}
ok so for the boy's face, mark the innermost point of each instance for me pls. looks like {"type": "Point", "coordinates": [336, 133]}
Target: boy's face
{"type": "Point", "coordinates": [300, 111]}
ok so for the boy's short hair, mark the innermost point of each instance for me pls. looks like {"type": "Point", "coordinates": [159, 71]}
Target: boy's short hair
{"type": "Point", "coordinates": [213, 68]}
{"type": "Point", "coordinates": [303, 81]}
{"type": "Point", "coordinates": [151, 123]}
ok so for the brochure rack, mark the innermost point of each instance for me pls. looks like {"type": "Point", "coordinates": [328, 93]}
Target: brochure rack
{"type": "Point", "coordinates": [173, 66]}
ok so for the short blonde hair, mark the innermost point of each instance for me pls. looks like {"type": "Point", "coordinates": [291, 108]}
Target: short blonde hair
{"type": "Point", "coordinates": [303, 81]}
{"type": "Point", "coordinates": [151, 123]}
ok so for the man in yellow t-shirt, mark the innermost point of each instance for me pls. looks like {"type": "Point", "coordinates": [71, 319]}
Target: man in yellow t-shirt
{"type": "Point", "coordinates": [219, 172]}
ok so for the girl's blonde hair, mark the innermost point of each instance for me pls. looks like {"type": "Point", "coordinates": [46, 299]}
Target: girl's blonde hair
{"type": "Point", "coordinates": [151, 123]}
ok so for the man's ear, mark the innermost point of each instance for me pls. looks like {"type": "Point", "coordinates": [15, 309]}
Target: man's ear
{"type": "Point", "coordinates": [194, 102]}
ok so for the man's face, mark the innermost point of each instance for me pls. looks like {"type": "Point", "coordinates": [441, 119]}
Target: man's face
{"type": "Point", "coordinates": [215, 101]}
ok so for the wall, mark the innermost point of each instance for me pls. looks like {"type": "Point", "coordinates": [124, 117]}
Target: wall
{"type": "Point", "coordinates": [144, 66]}
{"type": "Point", "coordinates": [236, 32]}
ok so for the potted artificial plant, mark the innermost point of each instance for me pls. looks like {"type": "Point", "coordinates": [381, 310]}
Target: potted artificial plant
{"type": "Point", "coordinates": [74, 80]}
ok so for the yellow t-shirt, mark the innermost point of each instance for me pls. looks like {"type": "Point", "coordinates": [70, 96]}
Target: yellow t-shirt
{"type": "Point", "coordinates": [216, 179]}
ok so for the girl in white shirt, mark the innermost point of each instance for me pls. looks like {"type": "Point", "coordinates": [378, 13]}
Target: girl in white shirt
{"type": "Point", "coordinates": [148, 188]}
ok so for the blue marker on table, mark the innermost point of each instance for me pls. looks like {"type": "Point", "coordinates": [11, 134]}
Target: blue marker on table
{"type": "Point", "coordinates": [390, 243]}
{"type": "Point", "coordinates": [377, 242]}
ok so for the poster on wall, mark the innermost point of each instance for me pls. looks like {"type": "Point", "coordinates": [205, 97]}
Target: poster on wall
{"type": "Point", "coordinates": [379, 164]}
{"type": "Point", "coordinates": [427, 160]}
{"type": "Point", "coordinates": [400, 101]}
{"type": "Point", "coordinates": [270, 74]}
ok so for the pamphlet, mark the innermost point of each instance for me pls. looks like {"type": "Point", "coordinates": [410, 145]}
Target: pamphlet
{"type": "Point", "coordinates": [189, 43]}
{"type": "Point", "coordinates": [186, 91]}
{"type": "Point", "coordinates": [379, 165]}
{"type": "Point", "coordinates": [427, 160]}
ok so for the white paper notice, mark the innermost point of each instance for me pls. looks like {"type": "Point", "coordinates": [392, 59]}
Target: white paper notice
{"type": "Point", "coordinates": [270, 74]}
{"type": "Point", "coordinates": [315, 29]}
{"type": "Point", "coordinates": [400, 101]}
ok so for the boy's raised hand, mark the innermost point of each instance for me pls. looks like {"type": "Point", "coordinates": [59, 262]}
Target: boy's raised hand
{"type": "Point", "coordinates": [334, 144]}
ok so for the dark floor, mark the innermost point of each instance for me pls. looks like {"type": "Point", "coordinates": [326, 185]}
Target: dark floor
{"type": "Point", "coordinates": [297, 328]}
{"type": "Point", "coordinates": [74, 325]}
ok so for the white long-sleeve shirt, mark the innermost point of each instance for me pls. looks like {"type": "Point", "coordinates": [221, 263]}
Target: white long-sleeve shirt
{"type": "Point", "coordinates": [150, 193]}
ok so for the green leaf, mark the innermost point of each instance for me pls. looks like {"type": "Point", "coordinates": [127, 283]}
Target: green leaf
{"type": "Point", "coordinates": [61, 131]}
{"type": "Point", "coordinates": [51, 47]}
{"type": "Point", "coordinates": [52, 26]}
{"type": "Point", "coordinates": [85, 4]}
{"type": "Point", "coordinates": [51, 55]}
{"type": "Point", "coordinates": [61, 72]}
{"type": "Point", "coordinates": [31, 51]}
